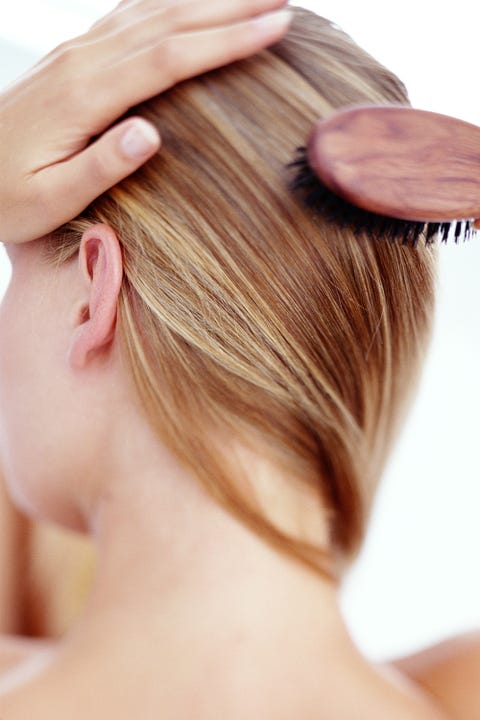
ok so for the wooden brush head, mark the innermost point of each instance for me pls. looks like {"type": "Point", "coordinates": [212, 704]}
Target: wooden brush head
{"type": "Point", "coordinates": [400, 162]}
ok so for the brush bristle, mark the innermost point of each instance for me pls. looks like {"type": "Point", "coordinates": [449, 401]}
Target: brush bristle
{"type": "Point", "coordinates": [334, 209]}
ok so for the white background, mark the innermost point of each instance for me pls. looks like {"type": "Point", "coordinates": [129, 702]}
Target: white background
{"type": "Point", "coordinates": [418, 579]}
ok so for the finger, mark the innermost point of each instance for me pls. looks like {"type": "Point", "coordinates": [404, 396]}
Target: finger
{"type": "Point", "coordinates": [183, 15]}
{"type": "Point", "coordinates": [136, 33]}
{"type": "Point", "coordinates": [197, 14]}
{"type": "Point", "coordinates": [106, 18]}
{"type": "Point", "coordinates": [174, 59]}
{"type": "Point", "coordinates": [74, 184]}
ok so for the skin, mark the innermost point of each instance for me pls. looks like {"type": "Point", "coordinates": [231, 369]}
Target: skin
{"type": "Point", "coordinates": [13, 528]}
{"type": "Point", "coordinates": [74, 95]}
{"type": "Point", "coordinates": [173, 568]}
{"type": "Point", "coordinates": [449, 673]}
{"type": "Point", "coordinates": [190, 613]}
{"type": "Point", "coordinates": [45, 576]}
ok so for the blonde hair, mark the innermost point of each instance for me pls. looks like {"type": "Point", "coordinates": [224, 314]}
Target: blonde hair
{"type": "Point", "coordinates": [241, 313]}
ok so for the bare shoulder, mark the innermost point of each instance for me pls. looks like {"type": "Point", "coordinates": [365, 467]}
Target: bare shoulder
{"type": "Point", "coordinates": [15, 650]}
{"type": "Point", "coordinates": [23, 662]}
{"type": "Point", "coordinates": [13, 549]}
{"type": "Point", "coordinates": [449, 671]}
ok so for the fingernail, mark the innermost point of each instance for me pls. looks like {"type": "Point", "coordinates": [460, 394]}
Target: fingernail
{"type": "Point", "coordinates": [139, 140]}
{"type": "Point", "coordinates": [274, 21]}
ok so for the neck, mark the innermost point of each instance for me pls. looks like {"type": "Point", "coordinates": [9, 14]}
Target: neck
{"type": "Point", "coordinates": [167, 548]}
{"type": "Point", "coordinates": [176, 568]}
{"type": "Point", "coordinates": [194, 614]}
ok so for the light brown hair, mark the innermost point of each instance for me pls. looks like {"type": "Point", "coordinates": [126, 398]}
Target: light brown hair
{"type": "Point", "coordinates": [242, 313]}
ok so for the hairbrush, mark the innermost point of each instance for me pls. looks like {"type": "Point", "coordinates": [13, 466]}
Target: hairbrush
{"type": "Point", "coordinates": [393, 172]}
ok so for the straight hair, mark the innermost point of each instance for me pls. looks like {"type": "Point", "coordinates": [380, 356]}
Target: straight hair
{"type": "Point", "coordinates": [242, 314]}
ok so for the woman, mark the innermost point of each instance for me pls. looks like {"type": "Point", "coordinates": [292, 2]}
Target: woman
{"type": "Point", "coordinates": [56, 172]}
{"type": "Point", "coordinates": [219, 377]}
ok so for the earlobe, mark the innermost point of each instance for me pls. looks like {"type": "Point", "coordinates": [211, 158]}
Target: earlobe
{"type": "Point", "coordinates": [101, 268]}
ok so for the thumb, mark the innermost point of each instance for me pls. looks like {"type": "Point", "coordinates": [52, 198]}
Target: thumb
{"type": "Point", "coordinates": [120, 151]}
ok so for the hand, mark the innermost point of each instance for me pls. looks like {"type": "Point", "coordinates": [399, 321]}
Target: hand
{"type": "Point", "coordinates": [49, 170]}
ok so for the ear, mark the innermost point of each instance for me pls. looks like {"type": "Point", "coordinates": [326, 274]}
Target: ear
{"type": "Point", "coordinates": [100, 267]}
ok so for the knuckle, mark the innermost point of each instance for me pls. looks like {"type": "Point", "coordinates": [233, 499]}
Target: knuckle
{"type": "Point", "coordinates": [168, 57]}
{"type": "Point", "coordinates": [99, 170]}
{"type": "Point", "coordinates": [64, 56]}
{"type": "Point", "coordinates": [115, 22]}
{"type": "Point", "coordinates": [55, 59]}
{"type": "Point", "coordinates": [172, 16]}
{"type": "Point", "coordinates": [58, 50]}
{"type": "Point", "coordinates": [108, 24]}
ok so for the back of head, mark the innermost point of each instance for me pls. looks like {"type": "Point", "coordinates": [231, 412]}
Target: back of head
{"type": "Point", "coordinates": [243, 315]}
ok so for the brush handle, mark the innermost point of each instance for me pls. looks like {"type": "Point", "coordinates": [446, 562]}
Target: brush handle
{"type": "Point", "coordinates": [397, 161]}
